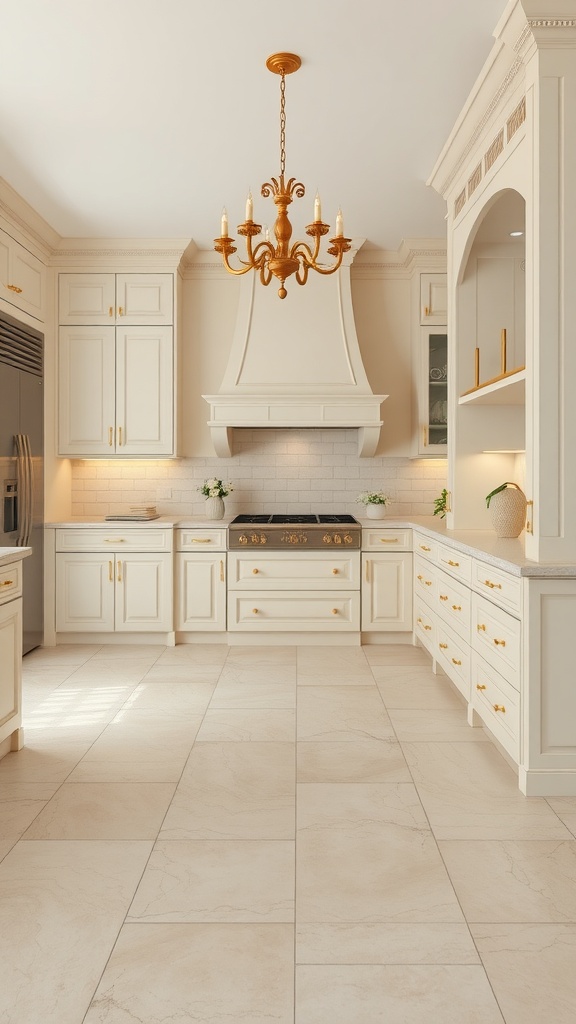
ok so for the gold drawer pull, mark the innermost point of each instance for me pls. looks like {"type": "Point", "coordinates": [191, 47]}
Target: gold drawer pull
{"type": "Point", "coordinates": [443, 597]}
{"type": "Point", "coordinates": [200, 540]}
{"type": "Point", "coordinates": [427, 627]}
{"type": "Point", "coordinates": [424, 548]}
{"type": "Point", "coordinates": [500, 643]}
{"type": "Point", "coordinates": [499, 707]}
{"type": "Point", "coordinates": [110, 310]}
{"type": "Point", "coordinates": [456, 662]}
{"type": "Point", "coordinates": [428, 583]}
{"type": "Point", "coordinates": [419, 620]}
{"type": "Point", "coordinates": [455, 564]}
{"type": "Point", "coordinates": [255, 611]}
{"type": "Point", "coordinates": [255, 572]}
{"type": "Point", "coordinates": [14, 288]}
{"type": "Point", "coordinates": [480, 686]}
{"type": "Point", "coordinates": [420, 577]}
{"type": "Point", "coordinates": [443, 647]}
{"type": "Point", "coordinates": [493, 586]}
{"type": "Point", "coordinates": [110, 436]}
{"type": "Point", "coordinates": [335, 572]}
{"type": "Point", "coordinates": [481, 627]}
{"type": "Point", "coordinates": [456, 607]}
{"type": "Point", "coordinates": [334, 611]}
{"type": "Point", "coordinates": [119, 573]}
{"type": "Point", "coordinates": [388, 540]}
{"type": "Point", "coordinates": [120, 310]}
{"type": "Point", "coordinates": [7, 583]}
{"type": "Point", "coordinates": [110, 572]}
{"type": "Point", "coordinates": [221, 571]}
{"type": "Point", "coordinates": [120, 436]}
{"type": "Point", "coordinates": [114, 540]}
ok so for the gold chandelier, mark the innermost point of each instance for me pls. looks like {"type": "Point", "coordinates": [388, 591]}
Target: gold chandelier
{"type": "Point", "coordinates": [283, 259]}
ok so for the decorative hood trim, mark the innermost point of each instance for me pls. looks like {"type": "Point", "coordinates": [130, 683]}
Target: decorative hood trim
{"type": "Point", "coordinates": [296, 363]}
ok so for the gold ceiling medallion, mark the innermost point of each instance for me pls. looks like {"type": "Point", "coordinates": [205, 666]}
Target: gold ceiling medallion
{"type": "Point", "coordinates": [283, 259]}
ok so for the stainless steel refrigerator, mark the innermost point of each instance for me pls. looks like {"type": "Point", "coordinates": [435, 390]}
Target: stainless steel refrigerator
{"type": "Point", "coordinates": [22, 462]}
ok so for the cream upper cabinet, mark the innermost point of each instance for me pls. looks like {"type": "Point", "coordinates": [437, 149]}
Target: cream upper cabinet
{"type": "Point", "coordinates": [116, 391]}
{"type": "Point", "coordinates": [433, 392]}
{"type": "Point", "coordinates": [433, 299]}
{"type": "Point", "coordinates": [22, 277]}
{"type": "Point", "coordinates": [129, 299]}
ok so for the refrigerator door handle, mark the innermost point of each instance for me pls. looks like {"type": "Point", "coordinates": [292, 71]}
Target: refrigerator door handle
{"type": "Point", "coordinates": [25, 496]}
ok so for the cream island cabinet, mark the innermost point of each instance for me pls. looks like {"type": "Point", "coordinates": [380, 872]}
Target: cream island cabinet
{"type": "Point", "coordinates": [113, 580]}
{"type": "Point", "coordinates": [386, 580]}
{"type": "Point", "coordinates": [200, 566]}
{"type": "Point", "coordinates": [11, 649]}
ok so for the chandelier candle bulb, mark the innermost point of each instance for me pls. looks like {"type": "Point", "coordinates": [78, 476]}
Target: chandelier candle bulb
{"type": "Point", "coordinates": [317, 208]}
{"type": "Point", "coordinates": [224, 224]}
{"type": "Point", "coordinates": [249, 207]}
{"type": "Point", "coordinates": [339, 224]}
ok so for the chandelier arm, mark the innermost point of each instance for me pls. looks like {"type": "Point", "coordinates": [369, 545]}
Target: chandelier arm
{"type": "Point", "coordinates": [232, 270]}
{"type": "Point", "coordinates": [267, 248]}
{"type": "Point", "coordinates": [302, 249]}
{"type": "Point", "coordinates": [302, 273]}
{"type": "Point", "coordinates": [329, 270]}
{"type": "Point", "coordinates": [265, 273]}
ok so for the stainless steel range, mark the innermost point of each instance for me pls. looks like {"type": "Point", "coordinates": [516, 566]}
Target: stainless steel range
{"type": "Point", "coordinates": [307, 532]}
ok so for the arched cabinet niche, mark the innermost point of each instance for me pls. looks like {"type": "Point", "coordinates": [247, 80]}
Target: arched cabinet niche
{"type": "Point", "coordinates": [490, 356]}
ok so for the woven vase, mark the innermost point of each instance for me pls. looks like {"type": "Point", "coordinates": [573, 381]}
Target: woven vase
{"type": "Point", "coordinates": [215, 508]}
{"type": "Point", "coordinates": [508, 511]}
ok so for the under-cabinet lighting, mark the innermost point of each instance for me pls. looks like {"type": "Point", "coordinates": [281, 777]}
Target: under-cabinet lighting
{"type": "Point", "coordinates": [503, 451]}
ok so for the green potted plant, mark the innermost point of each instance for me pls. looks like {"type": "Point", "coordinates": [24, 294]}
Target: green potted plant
{"type": "Point", "coordinates": [375, 503]}
{"type": "Point", "coordinates": [507, 507]}
{"type": "Point", "coordinates": [441, 504]}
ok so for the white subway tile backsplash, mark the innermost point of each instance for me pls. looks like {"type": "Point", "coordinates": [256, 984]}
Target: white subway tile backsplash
{"type": "Point", "coordinates": [271, 471]}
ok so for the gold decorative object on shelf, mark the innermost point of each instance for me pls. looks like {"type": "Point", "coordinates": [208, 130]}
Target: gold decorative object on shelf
{"type": "Point", "coordinates": [283, 259]}
{"type": "Point", "coordinates": [503, 371]}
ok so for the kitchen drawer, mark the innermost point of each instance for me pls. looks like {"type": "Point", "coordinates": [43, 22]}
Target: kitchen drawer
{"type": "Point", "coordinates": [138, 539]}
{"type": "Point", "coordinates": [452, 603]}
{"type": "Point", "coordinates": [380, 539]}
{"type": "Point", "coordinates": [424, 626]}
{"type": "Point", "coordinates": [497, 703]}
{"type": "Point", "coordinates": [286, 570]}
{"type": "Point", "coordinates": [496, 636]}
{"type": "Point", "coordinates": [425, 547]}
{"type": "Point", "coordinates": [454, 657]}
{"type": "Point", "coordinates": [500, 587]}
{"type": "Point", "coordinates": [455, 563]}
{"type": "Point", "coordinates": [201, 540]}
{"type": "Point", "coordinates": [10, 581]}
{"type": "Point", "coordinates": [290, 611]}
{"type": "Point", "coordinates": [425, 581]}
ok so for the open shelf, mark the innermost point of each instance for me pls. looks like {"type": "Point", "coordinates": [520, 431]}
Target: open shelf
{"type": "Point", "coordinates": [508, 390]}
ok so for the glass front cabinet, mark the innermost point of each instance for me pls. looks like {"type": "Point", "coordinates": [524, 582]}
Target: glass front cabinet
{"type": "Point", "coordinates": [433, 433]}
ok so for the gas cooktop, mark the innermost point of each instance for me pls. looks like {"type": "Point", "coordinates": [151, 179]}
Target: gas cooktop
{"type": "Point", "coordinates": [288, 531]}
{"type": "Point", "coordinates": [292, 520]}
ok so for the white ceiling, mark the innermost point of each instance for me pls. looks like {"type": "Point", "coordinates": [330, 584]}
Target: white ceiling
{"type": "Point", "coordinates": [142, 118]}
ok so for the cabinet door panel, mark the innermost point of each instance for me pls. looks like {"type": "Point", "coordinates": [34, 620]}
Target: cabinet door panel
{"type": "Point", "coordinates": [86, 391]}
{"type": "Point", "coordinates": [84, 593]}
{"type": "Point", "coordinates": [144, 299]}
{"type": "Point", "coordinates": [10, 665]}
{"type": "Point", "coordinates": [144, 390]}
{"type": "Point", "coordinates": [387, 592]}
{"type": "Point", "coordinates": [30, 275]}
{"type": "Point", "coordinates": [201, 592]}
{"type": "Point", "coordinates": [143, 592]}
{"type": "Point", "coordinates": [87, 299]}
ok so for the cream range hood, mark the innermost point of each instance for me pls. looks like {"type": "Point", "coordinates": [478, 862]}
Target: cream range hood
{"type": "Point", "coordinates": [296, 362]}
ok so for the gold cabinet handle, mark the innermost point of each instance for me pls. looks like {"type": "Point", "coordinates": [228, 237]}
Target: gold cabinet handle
{"type": "Point", "coordinates": [255, 611]}
{"type": "Point", "coordinates": [426, 310]}
{"type": "Point", "coordinates": [221, 571]}
{"type": "Point", "coordinates": [500, 643]}
{"type": "Point", "coordinates": [14, 288]}
{"type": "Point", "coordinates": [419, 620]}
{"type": "Point", "coordinates": [388, 540]}
{"type": "Point", "coordinates": [120, 310]}
{"type": "Point", "coordinates": [335, 572]}
{"type": "Point", "coordinates": [111, 572]}
{"type": "Point", "coordinates": [427, 627]}
{"type": "Point", "coordinates": [499, 707]}
{"type": "Point", "coordinates": [455, 564]}
{"type": "Point", "coordinates": [456, 607]}
{"type": "Point", "coordinates": [481, 627]}
{"type": "Point", "coordinates": [111, 311]}
{"type": "Point", "coordinates": [120, 436]}
{"type": "Point", "coordinates": [114, 540]}
{"type": "Point", "coordinates": [443, 597]}
{"type": "Point", "coordinates": [200, 540]}
{"type": "Point", "coordinates": [493, 586]}
{"type": "Point", "coordinates": [367, 571]}
{"type": "Point", "coordinates": [425, 437]}
{"type": "Point", "coordinates": [443, 647]}
{"type": "Point", "coordinates": [7, 583]}
{"type": "Point", "coordinates": [334, 611]}
{"type": "Point", "coordinates": [119, 571]}
{"type": "Point", "coordinates": [428, 583]}
{"type": "Point", "coordinates": [456, 662]}
{"type": "Point", "coordinates": [110, 436]}
{"type": "Point", "coordinates": [424, 548]}
{"type": "Point", "coordinates": [420, 577]}
{"type": "Point", "coordinates": [255, 571]}
{"type": "Point", "coordinates": [480, 686]}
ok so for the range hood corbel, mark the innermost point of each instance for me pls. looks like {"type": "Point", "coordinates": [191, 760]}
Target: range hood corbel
{"type": "Point", "coordinates": [296, 364]}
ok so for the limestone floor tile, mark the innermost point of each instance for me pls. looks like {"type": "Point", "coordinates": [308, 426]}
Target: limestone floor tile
{"type": "Point", "coordinates": [335, 677]}
{"type": "Point", "coordinates": [409, 687]}
{"type": "Point", "coordinates": [235, 791]}
{"type": "Point", "coordinates": [385, 944]}
{"type": "Point", "coordinates": [367, 994]}
{"type": "Point", "coordinates": [257, 656]}
{"type": "Point", "coordinates": [181, 973]}
{"type": "Point", "coordinates": [186, 697]}
{"type": "Point", "coordinates": [110, 810]}
{"type": "Point", "coordinates": [270, 694]}
{"type": "Point", "coordinates": [524, 881]}
{"type": "Point", "coordinates": [199, 655]}
{"type": "Point", "coordinates": [364, 853]}
{"type": "Point", "coordinates": [444, 725]}
{"type": "Point", "coordinates": [62, 907]}
{"type": "Point", "coordinates": [110, 673]}
{"type": "Point", "coordinates": [5, 847]}
{"type": "Point", "coordinates": [342, 713]}
{"type": "Point", "coordinates": [470, 792]}
{"type": "Point", "coordinates": [42, 760]}
{"type": "Point", "coordinates": [63, 654]}
{"type": "Point", "coordinates": [20, 803]}
{"type": "Point", "coordinates": [333, 666]}
{"type": "Point", "coordinates": [236, 674]}
{"type": "Point", "coordinates": [183, 671]}
{"type": "Point", "coordinates": [45, 675]}
{"type": "Point", "coordinates": [75, 704]}
{"type": "Point", "coordinates": [565, 808]}
{"type": "Point", "coordinates": [531, 969]}
{"type": "Point", "coordinates": [219, 881]}
{"type": "Point", "coordinates": [363, 761]}
{"type": "Point", "coordinates": [129, 652]}
{"type": "Point", "coordinates": [140, 746]}
{"type": "Point", "coordinates": [396, 654]}
{"type": "Point", "coordinates": [248, 724]}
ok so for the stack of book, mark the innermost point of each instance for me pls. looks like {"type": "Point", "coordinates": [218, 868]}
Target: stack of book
{"type": "Point", "coordinates": [136, 513]}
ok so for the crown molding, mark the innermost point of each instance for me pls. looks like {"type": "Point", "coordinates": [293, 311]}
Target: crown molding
{"type": "Point", "coordinates": [24, 219]}
{"type": "Point", "coordinates": [119, 253]}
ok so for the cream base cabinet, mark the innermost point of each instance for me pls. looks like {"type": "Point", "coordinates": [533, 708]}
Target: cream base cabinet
{"type": "Point", "coordinates": [95, 593]}
{"type": "Point", "coordinates": [387, 592]}
{"type": "Point", "coordinates": [116, 391]}
{"type": "Point", "coordinates": [200, 591]}
{"type": "Point", "coordinates": [10, 675]}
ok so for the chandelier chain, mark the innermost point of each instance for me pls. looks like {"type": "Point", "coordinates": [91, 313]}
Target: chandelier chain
{"type": "Point", "coordinates": [283, 124]}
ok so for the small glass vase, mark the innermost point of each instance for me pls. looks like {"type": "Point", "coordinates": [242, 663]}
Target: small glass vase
{"type": "Point", "coordinates": [215, 508]}
{"type": "Point", "coordinates": [374, 511]}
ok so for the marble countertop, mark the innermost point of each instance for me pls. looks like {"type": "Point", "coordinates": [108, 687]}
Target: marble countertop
{"type": "Point", "coordinates": [8, 555]}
